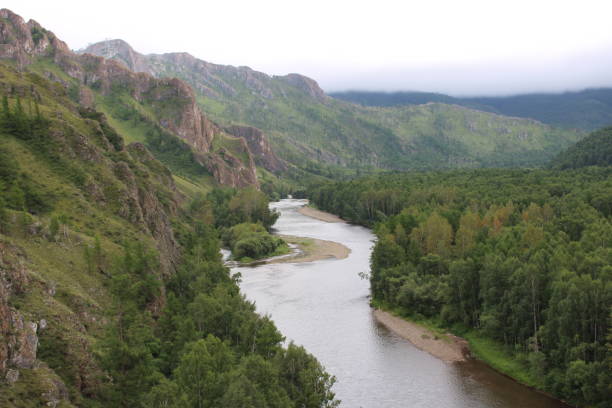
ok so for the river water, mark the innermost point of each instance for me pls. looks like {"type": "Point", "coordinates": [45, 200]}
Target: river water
{"type": "Point", "coordinates": [323, 306]}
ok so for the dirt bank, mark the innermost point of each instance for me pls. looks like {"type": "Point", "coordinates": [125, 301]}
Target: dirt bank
{"type": "Point", "coordinates": [311, 249]}
{"type": "Point", "coordinates": [447, 347]}
{"type": "Point", "coordinates": [319, 215]}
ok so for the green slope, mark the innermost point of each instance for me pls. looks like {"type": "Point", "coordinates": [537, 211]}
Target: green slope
{"type": "Point", "coordinates": [593, 150]}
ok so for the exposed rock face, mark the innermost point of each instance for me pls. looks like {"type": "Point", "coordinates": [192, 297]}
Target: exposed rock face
{"type": "Point", "coordinates": [187, 122]}
{"type": "Point", "coordinates": [260, 147]}
{"type": "Point", "coordinates": [305, 84]}
{"type": "Point", "coordinates": [26, 341]}
{"type": "Point", "coordinates": [22, 41]}
{"type": "Point", "coordinates": [18, 337]}
{"type": "Point", "coordinates": [141, 206]}
{"type": "Point", "coordinates": [119, 50]}
{"type": "Point", "coordinates": [12, 376]}
{"type": "Point", "coordinates": [205, 76]}
{"type": "Point", "coordinates": [230, 170]}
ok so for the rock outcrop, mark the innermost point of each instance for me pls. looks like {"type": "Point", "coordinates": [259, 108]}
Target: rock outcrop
{"type": "Point", "coordinates": [22, 41]}
{"type": "Point", "coordinates": [121, 51]}
{"type": "Point", "coordinates": [307, 85]}
{"type": "Point", "coordinates": [204, 76]}
{"type": "Point", "coordinates": [18, 336]}
{"type": "Point", "coordinates": [260, 147]}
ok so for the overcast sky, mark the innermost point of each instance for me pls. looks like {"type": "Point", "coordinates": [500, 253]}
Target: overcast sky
{"type": "Point", "coordinates": [460, 47]}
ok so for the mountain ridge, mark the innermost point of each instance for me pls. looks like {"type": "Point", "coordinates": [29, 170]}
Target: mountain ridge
{"type": "Point", "coordinates": [328, 136]}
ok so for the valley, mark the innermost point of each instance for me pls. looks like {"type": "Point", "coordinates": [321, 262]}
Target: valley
{"type": "Point", "coordinates": [125, 176]}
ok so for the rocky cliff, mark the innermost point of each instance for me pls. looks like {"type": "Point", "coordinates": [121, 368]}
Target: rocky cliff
{"type": "Point", "coordinates": [23, 41]}
{"type": "Point", "coordinates": [260, 147]}
{"type": "Point", "coordinates": [171, 101]}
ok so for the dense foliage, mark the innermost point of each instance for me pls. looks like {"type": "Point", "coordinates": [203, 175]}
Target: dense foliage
{"type": "Point", "coordinates": [208, 347]}
{"type": "Point", "coordinates": [17, 190]}
{"type": "Point", "coordinates": [520, 257]}
{"type": "Point", "coordinates": [593, 150]}
{"type": "Point", "coordinates": [250, 241]}
{"type": "Point", "coordinates": [244, 220]}
{"type": "Point", "coordinates": [231, 207]}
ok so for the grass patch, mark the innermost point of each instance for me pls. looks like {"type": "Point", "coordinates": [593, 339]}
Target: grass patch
{"type": "Point", "coordinates": [497, 356]}
{"type": "Point", "coordinates": [191, 188]}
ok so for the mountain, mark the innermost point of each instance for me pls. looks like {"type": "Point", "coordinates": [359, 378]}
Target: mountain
{"type": "Point", "coordinates": [325, 135]}
{"type": "Point", "coordinates": [593, 150]}
{"type": "Point", "coordinates": [589, 109]}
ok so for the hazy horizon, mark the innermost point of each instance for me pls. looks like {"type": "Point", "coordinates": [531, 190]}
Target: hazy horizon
{"type": "Point", "coordinates": [474, 48]}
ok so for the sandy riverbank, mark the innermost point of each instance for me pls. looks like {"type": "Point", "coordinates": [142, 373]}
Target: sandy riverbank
{"type": "Point", "coordinates": [319, 215]}
{"type": "Point", "coordinates": [449, 349]}
{"type": "Point", "coordinates": [312, 249]}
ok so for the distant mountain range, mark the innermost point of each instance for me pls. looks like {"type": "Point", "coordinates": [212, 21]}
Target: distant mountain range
{"type": "Point", "coordinates": [587, 110]}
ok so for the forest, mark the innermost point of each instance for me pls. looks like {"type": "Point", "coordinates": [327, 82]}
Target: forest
{"type": "Point", "coordinates": [517, 259]}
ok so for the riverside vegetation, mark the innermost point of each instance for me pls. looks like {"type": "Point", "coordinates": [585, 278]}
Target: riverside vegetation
{"type": "Point", "coordinates": [517, 261]}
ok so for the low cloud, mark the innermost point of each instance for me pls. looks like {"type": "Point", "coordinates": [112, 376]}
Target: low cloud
{"type": "Point", "coordinates": [587, 70]}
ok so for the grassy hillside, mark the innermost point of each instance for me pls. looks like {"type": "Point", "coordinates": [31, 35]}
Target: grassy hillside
{"type": "Point", "coordinates": [68, 205]}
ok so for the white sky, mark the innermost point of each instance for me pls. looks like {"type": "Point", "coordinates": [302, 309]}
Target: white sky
{"type": "Point", "coordinates": [461, 47]}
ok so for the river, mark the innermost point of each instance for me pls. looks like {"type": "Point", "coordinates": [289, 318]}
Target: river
{"type": "Point", "coordinates": [323, 306]}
